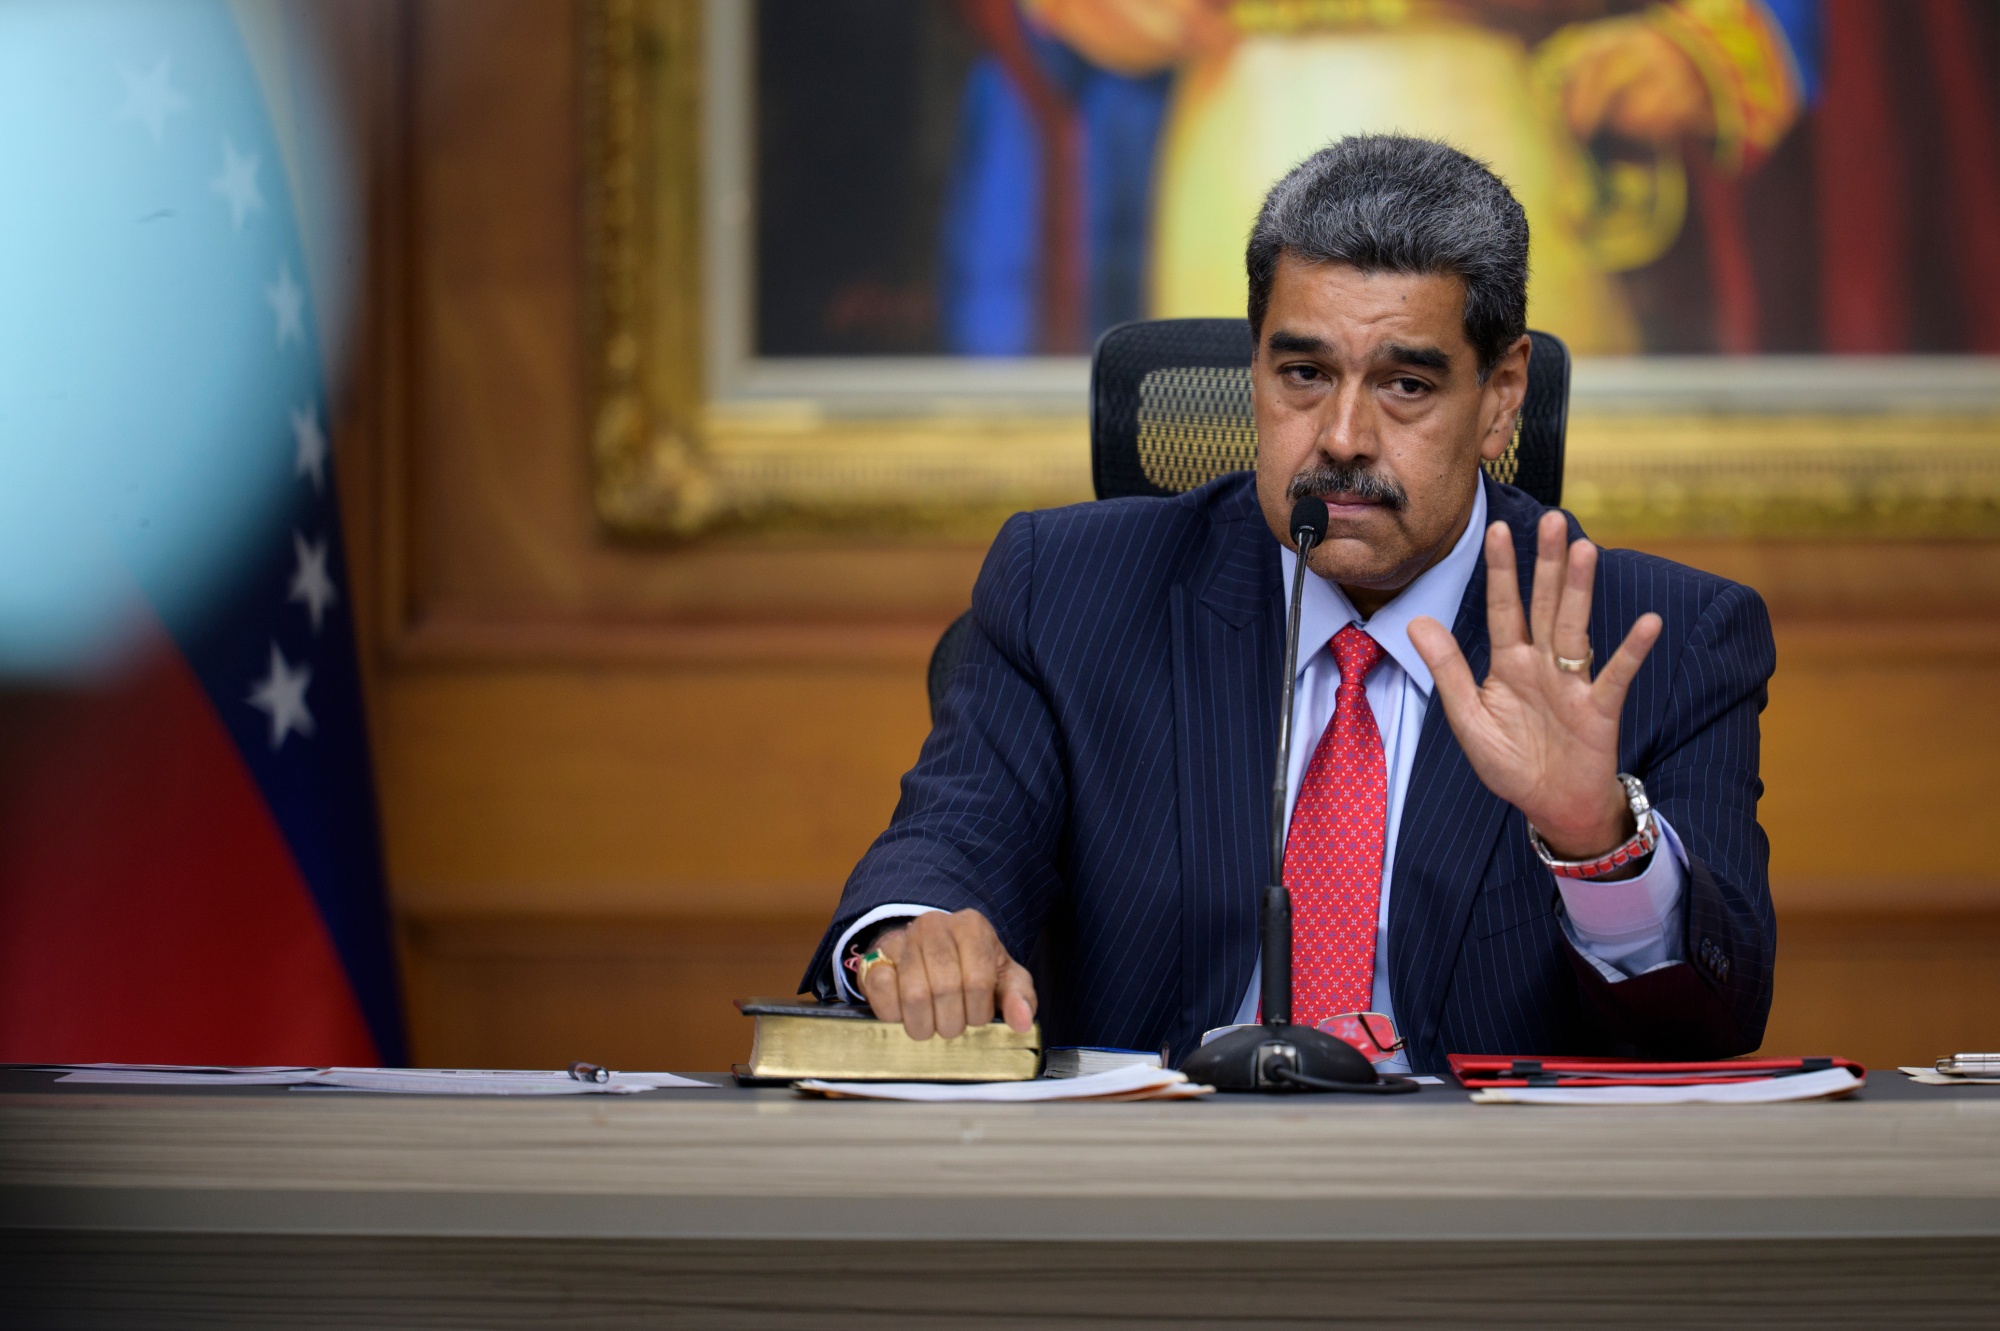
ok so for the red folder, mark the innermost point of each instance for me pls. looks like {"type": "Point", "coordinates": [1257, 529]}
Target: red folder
{"type": "Point", "coordinates": [1482, 1070]}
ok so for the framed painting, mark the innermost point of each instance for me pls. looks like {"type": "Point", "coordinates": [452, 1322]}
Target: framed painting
{"type": "Point", "coordinates": [849, 256]}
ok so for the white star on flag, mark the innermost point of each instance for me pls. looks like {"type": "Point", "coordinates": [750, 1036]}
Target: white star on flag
{"type": "Point", "coordinates": [238, 184]}
{"type": "Point", "coordinates": [289, 304]}
{"type": "Point", "coordinates": [150, 97]}
{"type": "Point", "coordinates": [308, 446]}
{"type": "Point", "coordinates": [282, 695]}
{"type": "Point", "coordinates": [310, 582]}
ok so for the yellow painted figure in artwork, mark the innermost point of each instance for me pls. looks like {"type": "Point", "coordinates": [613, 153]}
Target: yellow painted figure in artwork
{"type": "Point", "coordinates": [1524, 85]}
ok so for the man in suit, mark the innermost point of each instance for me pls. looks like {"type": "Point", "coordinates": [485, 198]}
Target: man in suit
{"type": "Point", "coordinates": [1513, 829]}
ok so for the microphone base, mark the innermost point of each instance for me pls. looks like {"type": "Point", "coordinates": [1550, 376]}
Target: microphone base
{"type": "Point", "coordinates": [1273, 1060]}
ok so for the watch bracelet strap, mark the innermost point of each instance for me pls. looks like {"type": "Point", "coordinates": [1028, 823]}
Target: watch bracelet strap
{"type": "Point", "coordinates": [1642, 842]}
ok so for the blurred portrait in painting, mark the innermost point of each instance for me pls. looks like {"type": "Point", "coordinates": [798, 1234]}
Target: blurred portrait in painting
{"type": "Point", "coordinates": [1700, 176]}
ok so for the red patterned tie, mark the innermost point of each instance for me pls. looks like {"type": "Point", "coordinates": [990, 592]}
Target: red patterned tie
{"type": "Point", "coordinates": [1333, 856]}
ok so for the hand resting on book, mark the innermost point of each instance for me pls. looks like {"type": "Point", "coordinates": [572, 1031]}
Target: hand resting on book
{"type": "Point", "coordinates": [941, 973]}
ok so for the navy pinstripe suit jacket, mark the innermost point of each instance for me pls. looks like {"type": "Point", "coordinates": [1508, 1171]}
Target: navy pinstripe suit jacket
{"type": "Point", "coordinates": [1097, 785]}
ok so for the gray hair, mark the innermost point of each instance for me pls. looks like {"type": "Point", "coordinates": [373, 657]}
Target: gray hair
{"type": "Point", "coordinates": [1397, 204]}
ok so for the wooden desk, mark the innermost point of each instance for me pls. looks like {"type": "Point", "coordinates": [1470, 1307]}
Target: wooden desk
{"type": "Point", "coordinates": [737, 1208]}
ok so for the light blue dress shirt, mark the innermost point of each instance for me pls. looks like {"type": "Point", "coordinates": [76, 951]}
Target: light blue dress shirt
{"type": "Point", "coordinates": [1622, 928]}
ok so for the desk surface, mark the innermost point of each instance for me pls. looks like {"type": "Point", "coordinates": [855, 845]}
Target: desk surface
{"type": "Point", "coordinates": [1897, 1160]}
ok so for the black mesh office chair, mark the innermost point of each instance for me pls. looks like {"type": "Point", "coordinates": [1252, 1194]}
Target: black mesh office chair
{"type": "Point", "coordinates": [1170, 410]}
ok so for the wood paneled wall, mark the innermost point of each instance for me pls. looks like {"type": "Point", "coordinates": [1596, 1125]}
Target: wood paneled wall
{"type": "Point", "coordinates": [621, 783]}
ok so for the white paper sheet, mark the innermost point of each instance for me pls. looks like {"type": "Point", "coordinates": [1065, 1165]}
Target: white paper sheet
{"type": "Point", "coordinates": [491, 1081]}
{"type": "Point", "coordinates": [1152, 1083]}
{"type": "Point", "coordinates": [418, 1081]}
{"type": "Point", "coordinates": [157, 1074]}
{"type": "Point", "coordinates": [1773, 1090]}
{"type": "Point", "coordinates": [1932, 1077]}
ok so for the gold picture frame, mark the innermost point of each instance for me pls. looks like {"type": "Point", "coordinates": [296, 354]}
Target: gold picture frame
{"type": "Point", "coordinates": [672, 457]}
{"type": "Point", "coordinates": [643, 92]}
{"type": "Point", "coordinates": [1781, 447]}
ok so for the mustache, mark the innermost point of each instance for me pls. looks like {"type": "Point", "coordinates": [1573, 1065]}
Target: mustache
{"type": "Point", "coordinates": [1348, 478]}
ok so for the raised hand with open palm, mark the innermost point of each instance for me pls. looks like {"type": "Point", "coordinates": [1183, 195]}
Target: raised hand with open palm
{"type": "Point", "coordinates": [1541, 734]}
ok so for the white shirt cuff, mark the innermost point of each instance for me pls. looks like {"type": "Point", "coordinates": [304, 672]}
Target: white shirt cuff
{"type": "Point", "coordinates": [1632, 926]}
{"type": "Point", "coordinates": [895, 910]}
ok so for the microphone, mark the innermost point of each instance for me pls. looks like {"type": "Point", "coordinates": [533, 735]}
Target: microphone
{"type": "Point", "coordinates": [1308, 529]}
{"type": "Point", "coordinates": [1277, 1056]}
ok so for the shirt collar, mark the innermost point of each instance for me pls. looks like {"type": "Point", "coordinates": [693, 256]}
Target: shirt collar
{"type": "Point", "coordinates": [1437, 592]}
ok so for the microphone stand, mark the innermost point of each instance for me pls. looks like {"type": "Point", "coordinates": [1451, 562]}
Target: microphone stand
{"type": "Point", "coordinates": [1276, 1056]}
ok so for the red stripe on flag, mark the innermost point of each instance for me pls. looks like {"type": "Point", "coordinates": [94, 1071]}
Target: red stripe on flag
{"type": "Point", "coordinates": [150, 910]}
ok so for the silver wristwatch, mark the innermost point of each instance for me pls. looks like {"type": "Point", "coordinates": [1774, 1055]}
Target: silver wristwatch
{"type": "Point", "coordinates": [1637, 848]}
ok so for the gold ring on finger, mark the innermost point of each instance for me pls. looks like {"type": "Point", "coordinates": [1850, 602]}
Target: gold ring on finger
{"type": "Point", "coordinates": [1577, 665]}
{"type": "Point", "coordinates": [867, 962]}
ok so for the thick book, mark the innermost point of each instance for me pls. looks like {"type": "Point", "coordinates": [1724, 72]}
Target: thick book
{"type": "Point", "coordinates": [796, 1038]}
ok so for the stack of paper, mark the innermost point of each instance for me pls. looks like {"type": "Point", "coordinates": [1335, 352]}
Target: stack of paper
{"type": "Point", "coordinates": [1133, 1082]}
{"type": "Point", "coordinates": [418, 1081]}
{"type": "Point", "coordinates": [1082, 1060]}
{"type": "Point", "coordinates": [1827, 1085]}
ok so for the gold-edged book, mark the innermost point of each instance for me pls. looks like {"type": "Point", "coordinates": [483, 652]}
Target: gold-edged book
{"type": "Point", "coordinates": [800, 1037]}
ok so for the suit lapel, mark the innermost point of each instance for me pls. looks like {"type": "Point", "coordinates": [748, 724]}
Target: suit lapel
{"type": "Point", "coordinates": [1451, 822]}
{"type": "Point", "coordinates": [1227, 621]}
